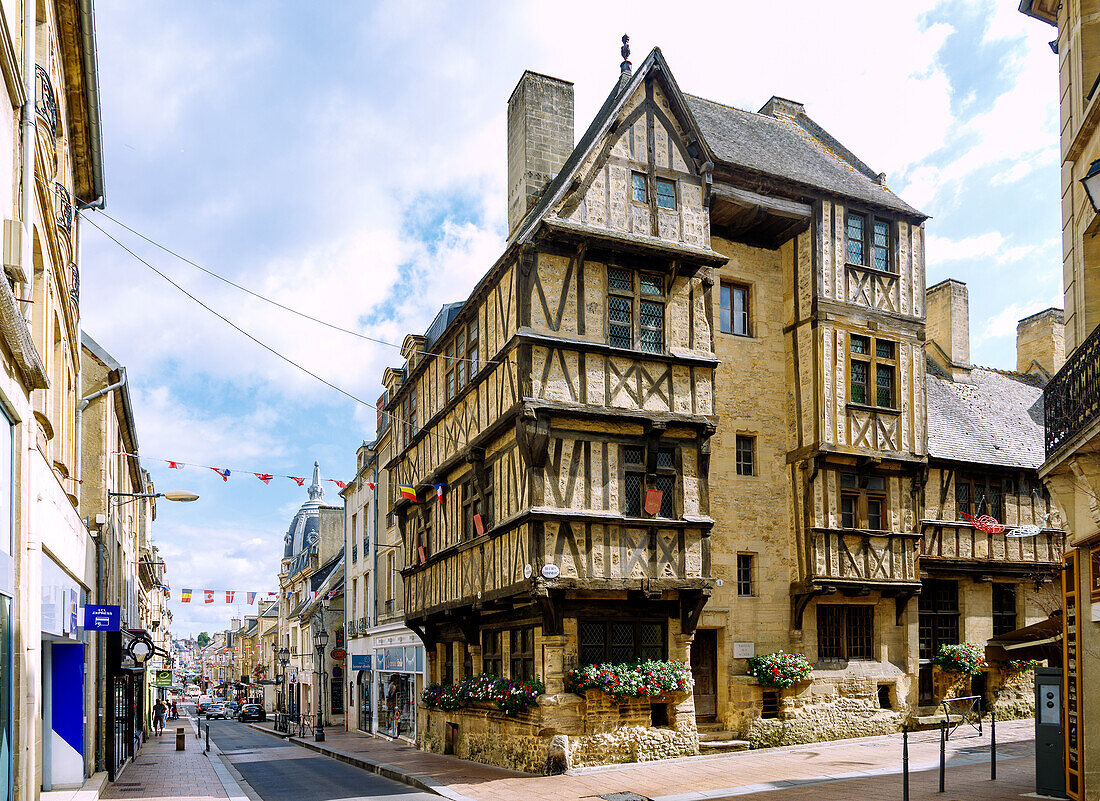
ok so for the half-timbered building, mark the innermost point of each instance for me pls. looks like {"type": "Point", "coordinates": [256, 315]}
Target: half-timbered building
{"type": "Point", "coordinates": [682, 417]}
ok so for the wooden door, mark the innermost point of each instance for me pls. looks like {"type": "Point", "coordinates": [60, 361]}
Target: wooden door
{"type": "Point", "coordinates": [704, 669]}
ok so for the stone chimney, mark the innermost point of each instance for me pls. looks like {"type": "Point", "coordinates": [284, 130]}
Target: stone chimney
{"type": "Point", "coordinates": [540, 139]}
{"type": "Point", "coordinates": [782, 107]}
{"type": "Point", "coordinates": [947, 305]}
{"type": "Point", "coordinates": [234, 624]}
{"type": "Point", "coordinates": [1041, 343]}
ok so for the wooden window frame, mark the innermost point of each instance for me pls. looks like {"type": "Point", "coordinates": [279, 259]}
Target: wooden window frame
{"type": "Point", "coordinates": [746, 575]}
{"type": "Point", "coordinates": [739, 463]}
{"type": "Point", "coordinates": [636, 646]}
{"type": "Point", "coordinates": [663, 474]}
{"type": "Point", "coordinates": [726, 311]}
{"type": "Point", "coordinates": [848, 645]}
{"type": "Point", "coordinates": [462, 362]}
{"type": "Point", "coordinates": [492, 658]}
{"type": "Point", "coordinates": [408, 415]}
{"type": "Point", "coordinates": [864, 494]}
{"type": "Point", "coordinates": [523, 658]}
{"type": "Point", "coordinates": [1004, 618]}
{"type": "Point", "coordinates": [987, 494]}
{"type": "Point", "coordinates": [669, 182]}
{"type": "Point", "coordinates": [637, 298]}
{"type": "Point", "coordinates": [471, 504]}
{"type": "Point", "coordinates": [873, 361]}
{"type": "Point", "coordinates": [933, 615]}
{"type": "Point", "coordinates": [867, 242]}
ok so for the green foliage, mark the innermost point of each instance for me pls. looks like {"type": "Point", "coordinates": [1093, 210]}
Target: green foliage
{"type": "Point", "coordinates": [1017, 665]}
{"type": "Point", "coordinates": [632, 680]}
{"type": "Point", "coordinates": [509, 696]}
{"type": "Point", "coordinates": [965, 658]}
{"type": "Point", "coordinates": [203, 639]}
{"type": "Point", "coordinates": [780, 669]}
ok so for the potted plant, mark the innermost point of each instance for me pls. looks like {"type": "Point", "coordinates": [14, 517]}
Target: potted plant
{"type": "Point", "coordinates": [780, 670]}
{"type": "Point", "coordinates": [966, 659]}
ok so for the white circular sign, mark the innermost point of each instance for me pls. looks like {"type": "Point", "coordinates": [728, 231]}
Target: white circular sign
{"type": "Point", "coordinates": [527, 571]}
{"type": "Point", "coordinates": [719, 582]}
{"type": "Point", "coordinates": [550, 571]}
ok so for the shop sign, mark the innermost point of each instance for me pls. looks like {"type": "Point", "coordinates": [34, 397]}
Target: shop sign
{"type": "Point", "coordinates": [102, 618]}
{"type": "Point", "coordinates": [338, 654]}
{"type": "Point", "coordinates": [163, 678]}
{"type": "Point", "coordinates": [360, 662]}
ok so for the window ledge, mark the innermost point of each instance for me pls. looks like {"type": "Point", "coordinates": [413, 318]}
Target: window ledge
{"type": "Point", "coordinates": [875, 270]}
{"type": "Point", "coordinates": [746, 337]}
{"type": "Point", "coordinates": [869, 408]}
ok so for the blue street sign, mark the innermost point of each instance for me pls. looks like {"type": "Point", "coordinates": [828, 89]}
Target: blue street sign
{"type": "Point", "coordinates": [360, 661]}
{"type": "Point", "coordinates": [102, 618]}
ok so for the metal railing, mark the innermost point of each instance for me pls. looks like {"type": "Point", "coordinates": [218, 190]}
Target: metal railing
{"type": "Point", "coordinates": [64, 211]}
{"type": "Point", "coordinates": [45, 101]}
{"type": "Point", "coordinates": [1071, 401]}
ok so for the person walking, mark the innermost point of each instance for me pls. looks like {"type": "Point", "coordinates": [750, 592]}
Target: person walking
{"type": "Point", "coordinates": [159, 711]}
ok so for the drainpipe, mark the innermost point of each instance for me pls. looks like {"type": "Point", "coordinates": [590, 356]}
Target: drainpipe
{"type": "Point", "coordinates": [372, 583]}
{"type": "Point", "coordinates": [29, 23]}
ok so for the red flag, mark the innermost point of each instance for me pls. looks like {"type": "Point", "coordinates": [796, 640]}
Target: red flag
{"type": "Point", "coordinates": [331, 595]}
{"type": "Point", "coordinates": [340, 484]}
{"type": "Point", "coordinates": [208, 596]}
{"type": "Point", "coordinates": [251, 598]}
{"type": "Point", "coordinates": [229, 596]}
{"type": "Point", "coordinates": [222, 471]}
{"type": "Point", "coordinates": [653, 501]}
{"type": "Point", "coordinates": [299, 481]}
{"type": "Point", "coordinates": [264, 477]}
{"type": "Point", "coordinates": [174, 465]}
{"type": "Point", "coordinates": [371, 485]}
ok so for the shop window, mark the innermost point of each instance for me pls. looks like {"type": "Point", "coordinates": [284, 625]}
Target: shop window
{"type": "Point", "coordinates": [619, 642]}
{"type": "Point", "coordinates": [397, 710]}
{"type": "Point", "coordinates": [844, 632]}
{"type": "Point", "coordinates": [492, 656]}
{"type": "Point", "coordinates": [1004, 609]}
{"type": "Point", "coordinates": [521, 654]}
{"type": "Point", "coordinates": [938, 616]}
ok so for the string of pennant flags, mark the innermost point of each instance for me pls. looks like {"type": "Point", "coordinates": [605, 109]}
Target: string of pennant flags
{"type": "Point", "coordinates": [226, 472]}
{"type": "Point", "coordinates": [231, 596]}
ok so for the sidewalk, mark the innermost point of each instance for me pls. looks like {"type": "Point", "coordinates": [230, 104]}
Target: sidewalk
{"type": "Point", "coordinates": [161, 772]}
{"type": "Point", "coordinates": [691, 778]}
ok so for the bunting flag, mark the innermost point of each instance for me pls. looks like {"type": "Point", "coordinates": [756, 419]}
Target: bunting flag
{"type": "Point", "coordinates": [439, 492]}
{"type": "Point", "coordinates": [185, 596]}
{"type": "Point", "coordinates": [208, 596]}
{"type": "Point", "coordinates": [370, 484]}
{"type": "Point", "coordinates": [222, 471]}
{"type": "Point", "coordinates": [331, 595]}
{"type": "Point", "coordinates": [226, 472]}
{"type": "Point", "coordinates": [340, 484]}
{"type": "Point", "coordinates": [299, 481]}
{"type": "Point", "coordinates": [251, 598]}
{"type": "Point", "coordinates": [229, 596]}
{"type": "Point", "coordinates": [264, 477]}
{"type": "Point", "coordinates": [314, 595]}
{"type": "Point", "coordinates": [407, 492]}
{"type": "Point", "coordinates": [175, 465]}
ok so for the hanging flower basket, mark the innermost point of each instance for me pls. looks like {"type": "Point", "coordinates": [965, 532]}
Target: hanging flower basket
{"type": "Point", "coordinates": [1017, 666]}
{"type": "Point", "coordinates": [966, 658]}
{"type": "Point", "coordinates": [780, 670]}
{"type": "Point", "coordinates": [633, 680]}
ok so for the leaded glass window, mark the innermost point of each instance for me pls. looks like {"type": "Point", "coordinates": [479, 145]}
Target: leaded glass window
{"type": "Point", "coordinates": [620, 642]}
{"type": "Point", "coordinates": [635, 318]}
{"type": "Point", "coordinates": [666, 194]}
{"type": "Point", "coordinates": [872, 357]}
{"type": "Point", "coordinates": [882, 245]}
{"type": "Point", "coordinates": [666, 484]}
{"type": "Point", "coordinates": [857, 224]}
{"type": "Point", "coordinates": [637, 186]}
{"type": "Point", "coordinates": [652, 325]}
{"type": "Point", "coordinates": [620, 319]}
{"type": "Point", "coordinates": [868, 236]}
{"type": "Point", "coordinates": [859, 382]}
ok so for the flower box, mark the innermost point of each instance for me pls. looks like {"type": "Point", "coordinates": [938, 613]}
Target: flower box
{"type": "Point", "coordinates": [649, 679]}
{"type": "Point", "coordinates": [780, 670]}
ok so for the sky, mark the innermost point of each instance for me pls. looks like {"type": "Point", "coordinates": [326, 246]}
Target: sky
{"type": "Point", "coordinates": [348, 160]}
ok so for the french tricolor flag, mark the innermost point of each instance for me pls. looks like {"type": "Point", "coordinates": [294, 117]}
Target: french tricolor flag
{"type": "Point", "coordinates": [222, 471]}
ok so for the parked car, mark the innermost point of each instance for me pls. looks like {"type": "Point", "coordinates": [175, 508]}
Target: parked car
{"type": "Point", "coordinates": [217, 711]}
{"type": "Point", "coordinates": [232, 707]}
{"type": "Point", "coordinates": [251, 712]}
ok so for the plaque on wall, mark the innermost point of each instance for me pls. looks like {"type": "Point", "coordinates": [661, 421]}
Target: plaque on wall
{"type": "Point", "coordinates": [744, 650]}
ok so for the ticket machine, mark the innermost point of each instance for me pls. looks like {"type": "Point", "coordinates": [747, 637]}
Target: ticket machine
{"type": "Point", "coordinates": [1050, 771]}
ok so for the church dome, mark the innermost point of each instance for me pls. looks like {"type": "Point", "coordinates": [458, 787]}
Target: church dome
{"type": "Point", "coordinates": [301, 537]}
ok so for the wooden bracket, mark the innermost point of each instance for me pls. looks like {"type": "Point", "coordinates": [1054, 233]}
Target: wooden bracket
{"type": "Point", "coordinates": [552, 605]}
{"type": "Point", "coordinates": [533, 435]}
{"type": "Point", "coordinates": [425, 631]}
{"type": "Point", "coordinates": [901, 600]}
{"type": "Point", "coordinates": [801, 599]}
{"type": "Point", "coordinates": [691, 607]}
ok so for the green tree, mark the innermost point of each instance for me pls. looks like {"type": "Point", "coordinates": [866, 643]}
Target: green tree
{"type": "Point", "coordinates": [203, 639]}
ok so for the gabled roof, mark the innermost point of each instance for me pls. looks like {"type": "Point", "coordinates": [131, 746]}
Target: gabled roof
{"type": "Point", "coordinates": [995, 420]}
{"type": "Point", "coordinates": [792, 147]}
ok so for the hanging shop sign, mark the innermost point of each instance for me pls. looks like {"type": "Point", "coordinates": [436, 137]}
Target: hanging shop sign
{"type": "Point", "coordinates": [360, 661]}
{"type": "Point", "coordinates": [338, 654]}
{"type": "Point", "coordinates": [163, 678]}
{"type": "Point", "coordinates": [102, 618]}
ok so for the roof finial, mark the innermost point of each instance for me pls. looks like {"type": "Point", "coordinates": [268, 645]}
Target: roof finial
{"type": "Point", "coordinates": [625, 66]}
{"type": "Point", "coordinates": [316, 491]}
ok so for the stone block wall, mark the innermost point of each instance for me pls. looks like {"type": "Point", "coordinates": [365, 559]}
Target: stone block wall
{"type": "Point", "coordinates": [1011, 694]}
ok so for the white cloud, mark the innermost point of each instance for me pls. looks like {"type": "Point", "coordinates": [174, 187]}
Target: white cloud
{"type": "Point", "coordinates": [1003, 324]}
{"type": "Point", "coordinates": [939, 250]}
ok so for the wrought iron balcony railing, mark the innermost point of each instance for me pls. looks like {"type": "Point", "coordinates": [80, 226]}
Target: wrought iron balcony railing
{"type": "Point", "coordinates": [45, 101]}
{"type": "Point", "coordinates": [74, 282]}
{"type": "Point", "coordinates": [64, 208]}
{"type": "Point", "coordinates": [1071, 401]}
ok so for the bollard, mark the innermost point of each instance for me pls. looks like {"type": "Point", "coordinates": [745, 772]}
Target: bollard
{"type": "Point", "coordinates": [208, 742]}
{"type": "Point", "coordinates": [905, 762]}
{"type": "Point", "coordinates": [993, 746]}
{"type": "Point", "coordinates": [181, 739]}
{"type": "Point", "coordinates": [943, 752]}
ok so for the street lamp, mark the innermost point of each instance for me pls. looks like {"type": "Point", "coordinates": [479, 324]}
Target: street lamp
{"type": "Point", "coordinates": [284, 660]}
{"type": "Point", "coordinates": [182, 496]}
{"type": "Point", "coordinates": [320, 639]}
{"type": "Point", "coordinates": [1091, 182]}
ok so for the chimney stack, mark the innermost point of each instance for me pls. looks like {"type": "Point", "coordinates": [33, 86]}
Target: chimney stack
{"type": "Point", "coordinates": [947, 305]}
{"type": "Point", "coordinates": [1041, 343]}
{"type": "Point", "coordinates": [234, 623]}
{"type": "Point", "coordinates": [540, 139]}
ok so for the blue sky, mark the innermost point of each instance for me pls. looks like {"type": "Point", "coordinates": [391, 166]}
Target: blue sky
{"type": "Point", "coordinates": [348, 159]}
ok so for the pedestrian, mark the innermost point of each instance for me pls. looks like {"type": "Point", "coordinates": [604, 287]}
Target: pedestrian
{"type": "Point", "coordinates": [159, 710]}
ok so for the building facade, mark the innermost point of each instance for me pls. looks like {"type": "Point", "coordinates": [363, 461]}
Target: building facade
{"type": "Point", "coordinates": [686, 416]}
{"type": "Point", "coordinates": [1071, 470]}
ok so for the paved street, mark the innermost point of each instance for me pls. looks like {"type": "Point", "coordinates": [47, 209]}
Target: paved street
{"type": "Point", "coordinates": [278, 771]}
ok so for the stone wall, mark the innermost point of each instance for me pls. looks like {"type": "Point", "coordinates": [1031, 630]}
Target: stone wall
{"type": "Point", "coordinates": [594, 729]}
{"type": "Point", "coordinates": [1011, 694]}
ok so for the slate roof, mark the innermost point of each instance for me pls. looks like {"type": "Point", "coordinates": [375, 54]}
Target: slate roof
{"type": "Point", "coordinates": [792, 148]}
{"type": "Point", "coordinates": [995, 420]}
